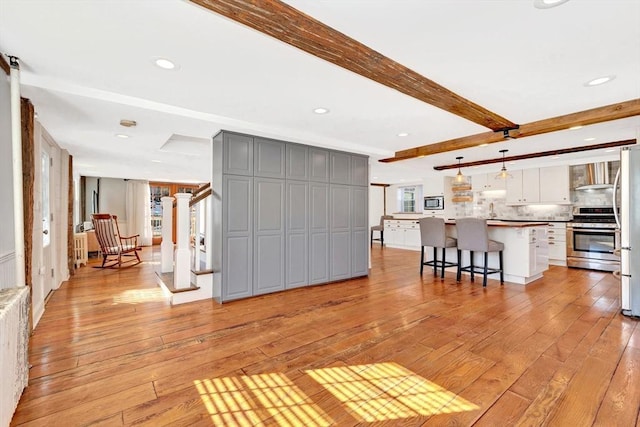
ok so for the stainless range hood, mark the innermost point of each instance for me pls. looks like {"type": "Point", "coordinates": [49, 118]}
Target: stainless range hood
{"type": "Point", "coordinates": [597, 176]}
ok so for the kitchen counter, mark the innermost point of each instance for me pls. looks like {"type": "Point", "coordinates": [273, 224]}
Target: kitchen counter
{"type": "Point", "coordinates": [526, 252]}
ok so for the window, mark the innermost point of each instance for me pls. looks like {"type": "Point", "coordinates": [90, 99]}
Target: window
{"type": "Point", "coordinates": [408, 199]}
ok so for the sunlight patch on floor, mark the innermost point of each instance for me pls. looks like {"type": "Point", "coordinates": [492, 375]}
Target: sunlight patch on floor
{"type": "Point", "coordinates": [387, 391]}
{"type": "Point", "coordinates": [252, 400]}
{"type": "Point", "coordinates": [138, 296]}
{"type": "Point", "coordinates": [369, 393]}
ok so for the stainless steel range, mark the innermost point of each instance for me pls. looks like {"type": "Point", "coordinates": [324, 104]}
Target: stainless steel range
{"type": "Point", "coordinates": [592, 237]}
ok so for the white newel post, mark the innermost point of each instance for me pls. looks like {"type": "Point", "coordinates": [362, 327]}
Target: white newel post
{"type": "Point", "coordinates": [166, 247]}
{"type": "Point", "coordinates": [196, 243]}
{"type": "Point", "coordinates": [182, 271]}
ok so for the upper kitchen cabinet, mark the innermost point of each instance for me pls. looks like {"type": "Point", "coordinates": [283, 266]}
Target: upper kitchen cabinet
{"type": "Point", "coordinates": [318, 165]}
{"type": "Point", "coordinates": [486, 181]}
{"type": "Point", "coordinates": [237, 153]}
{"type": "Point", "coordinates": [554, 185]}
{"type": "Point", "coordinates": [269, 158]}
{"type": "Point", "coordinates": [339, 168]}
{"type": "Point", "coordinates": [524, 187]}
{"type": "Point", "coordinates": [297, 159]}
{"type": "Point", "coordinates": [359, 170]}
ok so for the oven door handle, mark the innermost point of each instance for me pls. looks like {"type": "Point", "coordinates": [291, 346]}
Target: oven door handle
{"type": "Point", "coordinates": [593, 230]}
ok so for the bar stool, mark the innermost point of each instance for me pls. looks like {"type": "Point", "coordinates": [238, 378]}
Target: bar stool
{"type": "Point", "coordinates": [379, 228]}
{"type": "Point", "coordinates": [473, 236]}
{"type": "Point", "coordinates": [432, 233]}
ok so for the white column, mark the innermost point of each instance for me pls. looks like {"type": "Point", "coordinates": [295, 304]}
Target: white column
{"type": "Point", "coordinates": [166, 247]}
{"type": "Point", "coordinates": [16, 144]}
{"type": "Point", "coordinates": [196, 243]}
{"type": "Point", "coordinates": [182, 270]}
{"type": "Point", "coordinates": [208, 232]}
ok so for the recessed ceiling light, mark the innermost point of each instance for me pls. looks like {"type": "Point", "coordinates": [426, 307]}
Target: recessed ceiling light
{"type": "Point", "coordinates": [599, 81]}
{"type": "Point", "coordinates": [321, 110]}
{"type": "Point", "coordinates": [165, 64]}
{"type": "Point", "coordinates": [403, 134]}
{"type": "Point", "coordinates": [555, 157]}
{"type": "Point", "coordinates": [374, 177]}
{"type": "Point", "coordinates": [547, 4]}
{"type": "Point", "coordinates": [122, 135]}
{"type": "Point", "coordinates": [483, 145]}
{"type": "Point", "coordinates": [610, 150]}
{"type": "Point", "coordinates": [156, 161]}
{"type": "Point", "coordinates": [590, 139]}
{"type": "Point", "coordinates": [575, 127]}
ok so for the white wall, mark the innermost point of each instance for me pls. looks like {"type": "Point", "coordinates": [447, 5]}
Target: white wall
{"type": "Point", "coordinates": [376, 204]}
{"type": "Point", "coordinates": [112, 195]}
{"type": "Point", "coordinates": [7, 243]}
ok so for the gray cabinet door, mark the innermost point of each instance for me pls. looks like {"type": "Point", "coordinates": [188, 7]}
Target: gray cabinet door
{"type": "Point", "coordinates": [340, 168]}
{"type": "Point", "coordinates": [318, 165]}
{"type": "Point", "coordinates": [318, 233]}
{"type": "Point", "coordinates": [269, 158]}
{"type": "Point", "coordinates": [269, 235]}
{"type": "Point", "coordinates": [237, 246]}
{"type": "Point", "coordinates": [340, 258]}
{"type": "Point", "coordinates": [340, 208]}
{"type": "Point", "coordinates": [359, 253]}
{"type": "Point", "coordinates": [297, 232]}
{"type": "Point", "coordinates": [359, 170]}
{"type": "Point", "coordinates": [237, 153]}
{"type": "Point", "coordinates": [297, 160]}
{"type": "Point", "coordinates": [340, 232]}
{"type": "Point", "coordinates": [359, 208]}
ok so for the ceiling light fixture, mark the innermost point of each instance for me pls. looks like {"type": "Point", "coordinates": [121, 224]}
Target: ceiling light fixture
{"type": "Point", "coordinates": [575, 127]}
{"type": "Point", "coordinates": [599, 81]}
{"type": "Point", "coordinates": [128, 123]}
{"type": "Point", "coordinates": [503, 174]}
{"type": "Point", "coordinates": [122, 135]}
{"type": "Point", "coordinates": [547, 4]}
{"type": "Point", "coordinates": [590, 139]}
{"type": "Point", "coordinates": [459, 176]}
{"type": "Point", "coordinates": [321, 110]}
{"type": "Point", "coordinates": [403, 134]}
{"type": "Point", "coordinates": [164, 63]}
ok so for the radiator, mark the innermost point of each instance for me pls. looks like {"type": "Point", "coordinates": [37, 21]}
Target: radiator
{"type": "Point", "coordinates": [14, 341]}
{"type": "Point", "coordinates": [80, 252]}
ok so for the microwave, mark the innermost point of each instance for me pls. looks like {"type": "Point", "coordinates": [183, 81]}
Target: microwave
{"type": "Point", "coordinates": [432, 203]}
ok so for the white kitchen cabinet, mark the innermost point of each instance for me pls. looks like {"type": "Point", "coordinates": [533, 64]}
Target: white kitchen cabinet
{"type": "Point", "coordinates": [524, 187]}
{"type": "Point", "coordinates": [557, 237]}
{"type": "Point", "coordinates": [539, 254]}
{"type": "Point", "coordinates": [486, 181]}
{"type": "Point", "coordinates": [554, 185]}
{"type": "Point", "coordinates": [403, 234]}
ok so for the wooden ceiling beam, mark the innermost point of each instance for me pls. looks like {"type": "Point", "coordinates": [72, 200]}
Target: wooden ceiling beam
{"type": "Point", "coordinates": [4, 65]}
{"type": "Point", "coordinates": [583, 118]}
{"type": "Point", "coordinates": [538, 154]}
{"type": "Point", "coordinates": [289, 25]}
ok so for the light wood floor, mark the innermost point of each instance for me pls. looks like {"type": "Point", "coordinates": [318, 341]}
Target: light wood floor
{"type": "Point", "coordinates": [391, 349]}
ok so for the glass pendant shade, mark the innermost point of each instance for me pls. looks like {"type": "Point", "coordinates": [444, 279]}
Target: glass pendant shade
{"type": "Point", "coordinates": [459, 176]}
{"type": "Point", "coordinates": [503, 174]}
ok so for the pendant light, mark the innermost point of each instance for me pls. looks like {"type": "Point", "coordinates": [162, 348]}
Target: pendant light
{"type": "Point", "coordinates": [459, 176]}
{"type": "Point", "coordinates": [503, 174]}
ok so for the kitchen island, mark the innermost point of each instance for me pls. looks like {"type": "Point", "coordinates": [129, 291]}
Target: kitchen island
{"type": "Point", "coordinates": [526, 251]}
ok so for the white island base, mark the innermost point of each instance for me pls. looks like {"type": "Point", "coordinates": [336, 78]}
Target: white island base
{"type": "Point", "coordinates": [525, 255]}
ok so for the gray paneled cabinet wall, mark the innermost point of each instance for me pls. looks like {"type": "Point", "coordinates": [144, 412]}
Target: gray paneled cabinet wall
{"type": "Point", "coordinates": [286, 215]}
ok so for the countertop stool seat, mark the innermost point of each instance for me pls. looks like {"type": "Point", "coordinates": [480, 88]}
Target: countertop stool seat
{"type": "Point", "coordinates": [379, 228]}
{"type": "Point", "coordinates": [432, 234]}
{"type": "Point", "coordinates": [473, 236]}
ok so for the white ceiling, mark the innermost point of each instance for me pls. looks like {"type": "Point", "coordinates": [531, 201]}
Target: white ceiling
{"type": "Point", "coordinates": [87, 64]}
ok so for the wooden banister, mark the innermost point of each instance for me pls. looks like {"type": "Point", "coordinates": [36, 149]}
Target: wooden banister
{"type": "Point", "coordinates": [200, 197]}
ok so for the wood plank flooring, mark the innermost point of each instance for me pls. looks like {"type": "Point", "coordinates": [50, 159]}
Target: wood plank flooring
{"type": "Point", "coordinates": [391, 349]}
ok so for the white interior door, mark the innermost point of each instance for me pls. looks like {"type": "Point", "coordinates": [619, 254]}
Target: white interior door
{"type": "Point", "coordinates": [47, 226]}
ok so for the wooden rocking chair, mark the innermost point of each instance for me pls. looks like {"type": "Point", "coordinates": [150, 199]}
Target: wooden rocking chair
{"type": "Point", "coordinates": [112, 244]}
